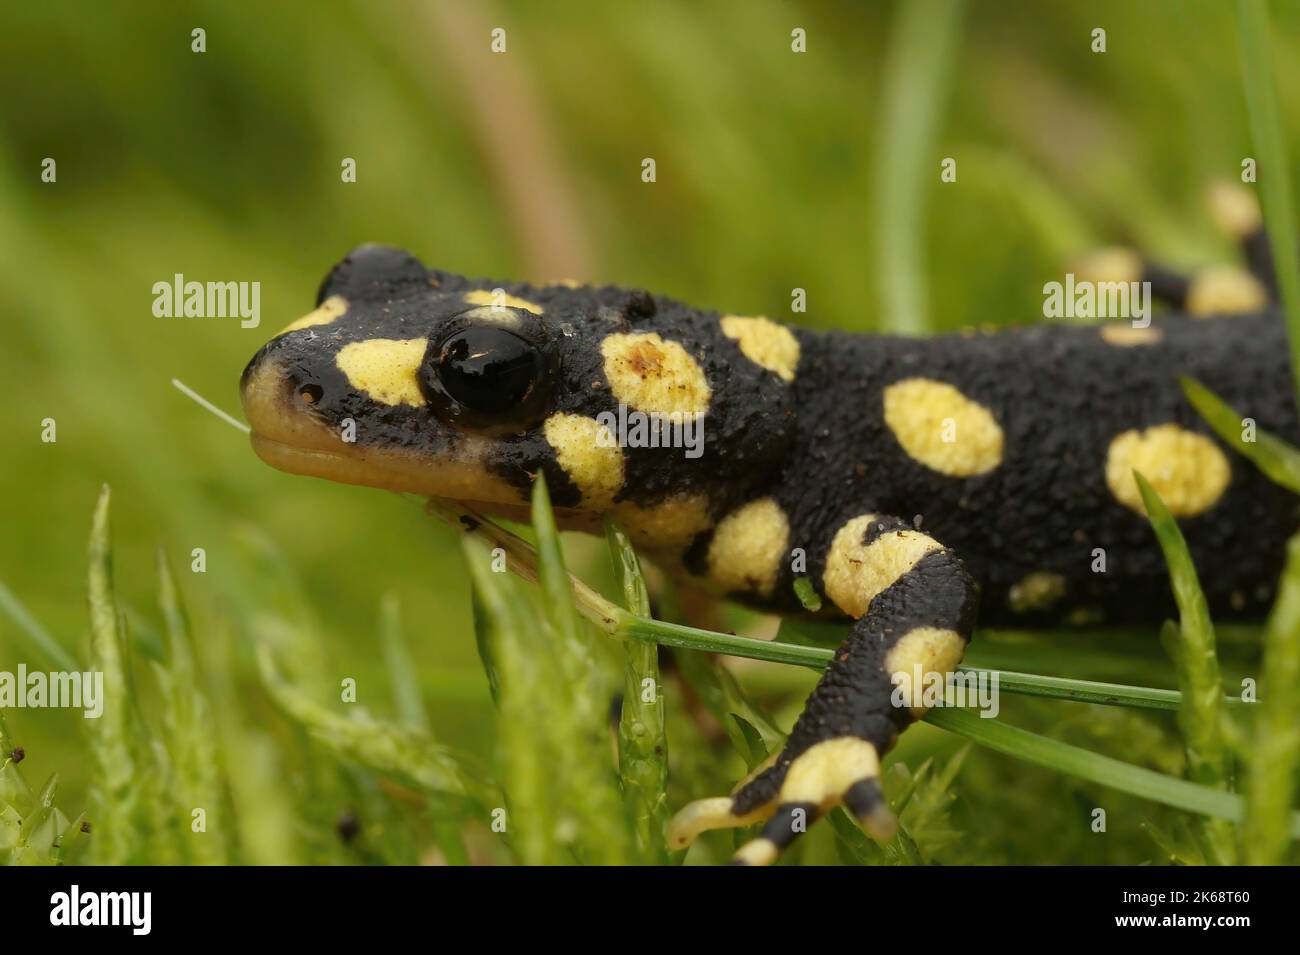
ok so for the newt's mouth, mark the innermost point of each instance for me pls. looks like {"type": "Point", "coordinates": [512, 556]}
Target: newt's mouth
{"type": "Point", "coordinates": [289, 437]}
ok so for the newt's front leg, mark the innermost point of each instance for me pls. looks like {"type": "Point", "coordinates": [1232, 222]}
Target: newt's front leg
{"type": "Point", "coordinates": [914, 605]}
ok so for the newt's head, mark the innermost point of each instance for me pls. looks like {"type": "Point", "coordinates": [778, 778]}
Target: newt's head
{"type": "Point", "coordinates": [416, 380]}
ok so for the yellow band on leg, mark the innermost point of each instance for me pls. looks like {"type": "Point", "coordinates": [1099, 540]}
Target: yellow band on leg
{"type": "Point", "coordinates": [758, 851]}
{"type": "Point", "coordinates": [826, 770]}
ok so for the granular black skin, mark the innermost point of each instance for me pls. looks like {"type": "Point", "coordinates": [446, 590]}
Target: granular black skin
{"type": "Point", "coordinates": [864, 797]}
{"type": "Point", "coordinates": [1060, 395]}
{"type": "Point", "coordinates": [821, 448]}
{"type": "Point", "coordinates": [781, 829]}
{"type": "Point", "coordinates": [749, 428]}
{"type": "Point", "coordinates": [853, 697]}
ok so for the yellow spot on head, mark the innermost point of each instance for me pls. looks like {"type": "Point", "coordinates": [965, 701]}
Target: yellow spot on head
{"type": "Point", "coordinates": [1225, 290]}
{"type": "Point", "coordinates": [669, 525]}
{"type": "Point", "coordinates": [1112, 264]}
{"type": "Point", "coordinates": [589, 454]}
{"type": "Point", "coordinates": [855, 574]}
{"type": "Point", "coordinates": [1126, 336]}
{"type": "Point", "coordinates": [326, 312]}
{"type": "Point", "coordinates": [747, 548]}
{"type": "Point", "coordinates": [1036, 591]}
{"type": "Point", "coordinates": [765, 343]}
{"type": "Point", "coordinates": [1187, 469]}
{"type": "Point", "coordinates": [384, 368]}
{"type": "Point", "coordinates": [650, 374]}
{"type": "Point", "coordinates": [488, 297]}
{"type": "Point", "coordinates": [943, 429]}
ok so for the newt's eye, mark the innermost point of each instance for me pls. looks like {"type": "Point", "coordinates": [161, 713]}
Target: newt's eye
{"type": "Point", "coordinates": [487, 376]}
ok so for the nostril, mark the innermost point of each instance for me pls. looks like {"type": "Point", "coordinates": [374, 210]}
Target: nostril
{"type": "Point", "coordinates": [311, 393]}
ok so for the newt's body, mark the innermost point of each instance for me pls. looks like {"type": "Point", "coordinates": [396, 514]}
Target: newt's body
{"type": "Point", "coordinates": [904, 478]}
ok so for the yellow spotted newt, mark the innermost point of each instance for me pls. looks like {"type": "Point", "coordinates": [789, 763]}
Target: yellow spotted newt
{"type": "Point", "coordinates": [920, 486]}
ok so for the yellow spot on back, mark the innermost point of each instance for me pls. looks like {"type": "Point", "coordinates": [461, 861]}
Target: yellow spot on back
{"type": "Point", "coordinates": [856, 574]}
{"type": "Point", "coordinates": [650, 374]}
{"type": "Point", "coordinates": [1233, 208]}
{"type": "Point", "coordinates": [384, 368]}
{"type": "Point", "coordinates": [747, 547]}
{"type": "Point", "coordinates": [589, 454]}
{"type": "Point", "coordinates": [934, 650]}
{"type": "Point", "coordinates": [1036, 591]}
{"type": "Point", "coordinates": [1126, 336]}
{"type": "Point", "coordinates": [822, 773]}
{"type": "Point", "coordinates": [943, 429]}
{"type": "Point", "coordinates": [326, 312]}
{"type": "Point", "coordinates": [1187, 469]}
{"type": "Point", "coordinates": [765, 343]}
{"type": "Point", "coordinates": [1111, 264]}
{"type": "Point", "coordinates": [486, 296]}
{"type": "Point", "coordinates": [669, 525]}
{"type": "Point", "coordinates": [1225, 290]}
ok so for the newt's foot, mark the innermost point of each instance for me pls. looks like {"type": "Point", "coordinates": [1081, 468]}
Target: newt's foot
{"type": "Point", "coordinates": [791, 794]}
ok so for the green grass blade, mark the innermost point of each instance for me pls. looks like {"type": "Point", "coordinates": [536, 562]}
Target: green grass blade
{"type": "Point", "coordinates": [1191, 645]}
{"type": "Point", "coordinates": [727, 702]}
{"type": "Point", "coordinates": [923, 39]}
{"type": "Point", "coordinates": [580, 725]}
{"type": "Point", "coordinates": [642, 738]}
{"type": "Point", "coordinates": [1094, 767]}
{"type": "Point", "coordinates": [38, 639]}
{"type": "Point", "coordinates": [14, 788]}
{"type": "Point", "coordinates": [1029, 684]}
{"type": "Point", "coordinates": [282, 613]}
{"type": "Point", "coordinates": [553, 575]}
{"type": "Point", "coordinates": [35, 839]}
{"type": "Point", "coordinates": [1084, 691]}
{"type": "Point", "coordinates": [386, 748]}
{"type": "Point", "coordinates": [263, 813]}
{"type": "Point", "coordinates": [1278, 460]}
{"type": "Point", "coordinates": [1274, 167]}
{"type": "Point", "coordinates": [191, 743]}
{"type": "Point", "coordinates": [1193, 650]}
{"type": "Point", "coordinates": [117, 788]}
{"type": "Point", "coordinates": [521, 674]}
{"type": "Point", "coordinates": [521, 560]}
{"type": "Point", "coordinates": [691, 638]}
{"type": "Point", "coordinates": [1019, 743]}
{"type": "Point", "coordinates": [1275, 755]}
{"type": "Point", "coordinates": [170, 825]}
{"type": "Point", "coordinates": [73, 839]}
{"type": "Point", "coordinates": [401, 668]}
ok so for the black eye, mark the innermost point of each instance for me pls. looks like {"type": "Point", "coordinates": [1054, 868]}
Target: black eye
{"type": "Point", "coordinates": [487, 377]}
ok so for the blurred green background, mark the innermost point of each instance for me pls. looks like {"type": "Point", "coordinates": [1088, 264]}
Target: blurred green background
{"type": "Point", "coordinates": [775, 170]}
